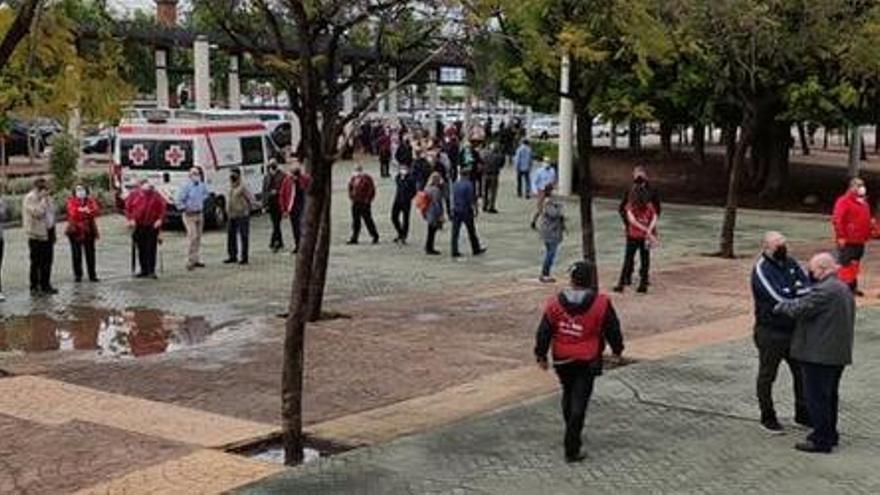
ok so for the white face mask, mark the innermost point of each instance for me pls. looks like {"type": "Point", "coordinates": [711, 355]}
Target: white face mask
{"type": "Point", "coordinates": [862, 191]}
{"type": "Point", "coordinates": [80, 193]}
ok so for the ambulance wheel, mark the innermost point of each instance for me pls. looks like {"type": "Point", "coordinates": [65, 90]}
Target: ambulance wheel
{"type": "Point", "coordinates": [215, 213]}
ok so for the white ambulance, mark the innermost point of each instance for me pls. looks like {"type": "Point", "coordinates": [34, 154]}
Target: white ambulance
{"type": "Point", "coordinates": [161, 146]}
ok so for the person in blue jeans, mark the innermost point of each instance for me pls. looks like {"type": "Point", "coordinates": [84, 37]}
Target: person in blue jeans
{"type": "Point", "coordinates": [551, 228]}
{"type": "Point", "coordinates": [464, 210]}
{"type": "Point", "coordinates": [522, 161]}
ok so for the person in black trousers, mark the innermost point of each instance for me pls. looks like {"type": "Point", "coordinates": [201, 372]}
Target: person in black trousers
{"type": "Point", "coordinates": [574, 328]}
{"type": "Point", "coordinates": [464, 211]}
{"type": "Point", "coordinates": [403, 196]}
{"type": "Point", "coordinates": [82, 231]}
{"type": "Point", "coordinates": [38, 219]}
{"type": "Point", "coordinates": [362, 192]}
{"type": "Point", "coordinates": [271, 189]}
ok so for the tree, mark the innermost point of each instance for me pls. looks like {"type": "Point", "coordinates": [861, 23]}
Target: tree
{"type": "Point", "coordinates": [15, 28]}
{"type": "Point", "coordinates": [305, 44]}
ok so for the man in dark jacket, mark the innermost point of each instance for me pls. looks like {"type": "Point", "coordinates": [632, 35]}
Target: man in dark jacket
{"type": "Point", "coordinates": [464, 211]}
{"type": "Point", "coordinates": [404, 154]}
{"type": "Point", "coordinates": [776, 277]}
{"type": "Point", "coordinates": [576, 324]}
{"type": "Point", "coordinates": [492, 169]}
{"type": "Point", "coordinates": [271, 189]}
{"type": "Point", "coordinates": [822, 343]}
{"type": "Point", "coordinates": [403, 196]}
{"type": "Point", "coordinates": [640, 178]}
{"type": "Point", "coordinates": [361, 192]}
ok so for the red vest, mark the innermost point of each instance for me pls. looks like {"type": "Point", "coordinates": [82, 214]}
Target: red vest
{"type": "Point", "coordinates": [577, 337]}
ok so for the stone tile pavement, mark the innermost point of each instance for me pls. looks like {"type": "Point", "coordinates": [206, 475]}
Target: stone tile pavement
{"type": "Point", "coordinates": [680, 425]}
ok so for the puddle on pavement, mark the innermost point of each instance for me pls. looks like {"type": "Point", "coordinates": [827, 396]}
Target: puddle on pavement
{"type": "Point", "coordinates": [132, 332]}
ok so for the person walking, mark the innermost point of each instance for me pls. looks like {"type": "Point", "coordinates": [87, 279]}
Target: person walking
{"type": "Point", "coordinates": [822, 343]}
{"type": "Point", "coordinates": [403, 196]}
{"type": "Point", "coordinates": [852, 230]}
{"type": "Point", "coordinates": [38, 219]}
{"type": "Point", "coordinates": [493, 164]}
{"type": "Point", "coordinates": [776, 277]}
{"type": "Point", "coordinates": [190, 202]}
{"type": "Point", "coordinates": [271, 191]}
{"type": "Point", "coordinates": [464, 211]}
{"type": "Point", "coordinates": [293, 201]}
{"type": "Point", "coordinates": [82, 231]}
{"type": "Point", "coordinates": [239, 205]}
{"type": "Point", "coordinates": [384, 147]}
{"type": "Point", "coordinates": [641, 234]}
{"type": "Point", "coordinates": [545, 176]}
{"type": "Point", "coordinates": [434, 213]}
{"type": "Point", "coordinates": [404, 153]}
{"type": "Point", "coordinates": [522, 161]}
{"type": "Point", "coordinates": [421, 170]}
{"type": "Point", "coordinates": [361, 192]}
{"type": "Point", "coordinates": [145, 213]}
{"type": "Point", "coordinates": [575, 327]}
{"type": "Point", "coordinates": [551, 229]}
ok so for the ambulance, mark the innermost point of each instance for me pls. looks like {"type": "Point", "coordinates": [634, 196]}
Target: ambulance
{"type": "Point", "coordinates": [163, 145]}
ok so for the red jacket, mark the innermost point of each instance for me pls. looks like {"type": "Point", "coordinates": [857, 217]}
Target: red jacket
{"type": "Point", "coordinates": [361, 189]}
{"type": "Point", "coordinates": [287, 195]}
{"type": "Point", "coordinates": [81, 225]}
{"type": "Point", "coordinates": [644, 215]}
{"type": "Point", "coordinates": [145, 208]}
{"type": "Point", "coordinates": [578, 337]}
{"type": "Point", "coordinates": [852, 219]}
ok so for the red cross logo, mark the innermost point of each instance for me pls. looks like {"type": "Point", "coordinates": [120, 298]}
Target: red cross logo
{"type": "Point", "coordinates": [174, 155]}
{"type": "Point", "coordinates": [138, 155]}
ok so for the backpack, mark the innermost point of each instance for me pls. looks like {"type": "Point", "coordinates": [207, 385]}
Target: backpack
{"type": "Point", "coordinates": [422, 200]}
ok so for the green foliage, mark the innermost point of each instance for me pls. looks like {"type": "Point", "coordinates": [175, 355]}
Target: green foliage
{"type": "Point", "coordinates": [62, 161]}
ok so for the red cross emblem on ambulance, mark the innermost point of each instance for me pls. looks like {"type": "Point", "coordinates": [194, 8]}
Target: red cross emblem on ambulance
{"type": "Point", "coordinates": [174, 155]}
{"type": "Point", "coordinates": [138, 155]}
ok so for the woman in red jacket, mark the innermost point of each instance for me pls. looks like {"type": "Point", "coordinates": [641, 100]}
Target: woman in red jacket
{"type": "Point", "coordinates": [852, 230]}
{"type": "Point", "coordinates": [82, 230]}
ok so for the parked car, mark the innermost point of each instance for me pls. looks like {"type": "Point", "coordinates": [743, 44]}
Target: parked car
{"type": "Point", "coordinates": [544, 128]}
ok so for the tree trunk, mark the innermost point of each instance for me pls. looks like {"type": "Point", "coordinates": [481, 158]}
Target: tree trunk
{"type": "Point", "coordinates": [614, 135]}
{"type": "Point", "coordinates": [635, 136]}
{"type": "Point", "coordinates": [854, 164]}
{"type": "Point", "coordinates": [666, 137]}
{"type": "Point", "coordinates": [3, 158]}
{"type": "Point", "coordinates": [729, 136]}
{"type": "Point", "coordinates": [775, 156]}
{"type": "Point", "coordinates": [802, 134]}
{"type": "Point", "coordinates": [700, 144]}
{"type": "Point", "coordinates": [876, 138]}
{"type": "Point", "coordinates": [728, 228]}
{"type": "Point", "coordinates": [584, 149]}
{"type": "Point", "coordinates": [322, 259]}
{"type": "Point", "coordinates": [825, 138]}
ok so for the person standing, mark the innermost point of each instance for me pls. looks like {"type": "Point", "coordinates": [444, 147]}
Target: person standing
{"type": "Point", "coordinates": [361, 192]}
{"type": "Point", "coordinates": [464, 211]}
{"type": "Point", "coordinates": [421, 170]}
{"type": "Point", "coordinates": [574, 328]}
{"type": "Point", "coordinates": [641, 234]}
{"type": "Point", "coordinates": [522, 161]}
{"type": "Point", "coordinates": [271, 191]}
{"type": "Point", "coordinates": [384, 146]}
{"type": "Point", "coordinates": [640, 179]}
{"type": "Point", "coordinates": [494, 163]}
{"type": "Point", "coordinates": [3, 218]}
{"type": "Point", "coordinates": [404, 153]}
{"type": "Point", "coordinates": [145, 213]}
{"type": "Point", "coordinates": [400, 211]}
{"type": "Point", "coordinates": [776, 277]}
{"type": "Point", "coordinates": [551, 229]}
{"type": "Point", "coordinates": [545, 177]}
{"type": "Point", "coordinates": [852, 230]}
{"type": "Point", "coordinates": [434, 213]}
{"type": "Point", "coordinates": [239, 206]}
{"type": "Point", "coordinates": [38, 219]}
{"type": "Point", "coordinates": [822, 343]}
{"type": "Point", "coordinates": [82, 231]}
{"type": "Point", "coordinates": [191, 202]}
{"type": "Point", "coordinates": [293, 201]}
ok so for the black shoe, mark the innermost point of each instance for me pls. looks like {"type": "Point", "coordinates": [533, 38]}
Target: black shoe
{"type": "Point", "coordinates": [493, 211]}
{"type": "Point", "coordinates": [141, 275]}
{"type": "Point", "coordinates": [295, 250]}
{"type": "Point", "coordinates": [618, 288]}
{"type": "Point", "coordinates": [456, 255]}
{"type": "Point", "coordinates": [49, 290]}
{"type": "Point", "coordinates": [94, 279]}
{"type": "Point", "coordinates": [351, 242]}
{"type": "Point", "coordinates": [36, 293]}
{"type": "Point", "coordinates": [433, 252]}
{"type": "Point", "coordinates": [77, 280]}
{"type": "Point", "coordinates": [153, 276]}
{"type": "Point", "coordinates": [229, 261]}
{"type": "Point", "coordinates": [243, 262]}
{"type": "Point", "coordinates": [812, 448]}
{"type": "Point", "coordinates": [642, 289]}
{"type": "Point", "coordinates": [571, 459]}
{"type": "Point", "coordinates": [772, 426]}
{"type": "Point", "coordinates": [402, 241]}
{"type": "Point", "coordinates": [199, 265]}
{"type": "Point", "coordinates": [376, 240]}
{"type": "Point", "coordinates": [479, 251]}
{"type": "Point", "coordinates": [396, 240]}
{"type": "Point", "coordinates": [803, 420]}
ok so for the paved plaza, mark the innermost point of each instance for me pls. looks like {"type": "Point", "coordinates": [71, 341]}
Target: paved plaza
{"type": "Point", "coordinates": [424, 343]}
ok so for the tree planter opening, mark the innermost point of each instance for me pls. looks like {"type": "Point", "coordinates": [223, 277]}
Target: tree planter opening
{"type": "Point", "coordinates": [271, 449]}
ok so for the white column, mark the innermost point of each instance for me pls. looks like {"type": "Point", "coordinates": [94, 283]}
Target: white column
{"type": "Point", "coordinates": [528, 123]}
{"type": "Point", "coordinates": [234, 83]}
{"type": "Point", "coordinates": [348, 95]}
{"type": "Point", "coordinates": [392, 95]}
{"type": "Point", "coordinates": [468, 110]}
{"type": "Point", "coordinates": [434, 95]}
{"type": "Point", "coordinates": [202, 80]}
{"type": "Point", "coordinates": [161, 63]}
{"type": "Point", "coordinates": [566, 128]}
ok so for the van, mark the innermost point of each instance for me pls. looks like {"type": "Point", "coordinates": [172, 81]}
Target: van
{"type": "Point", "coordinates": [163, 150]}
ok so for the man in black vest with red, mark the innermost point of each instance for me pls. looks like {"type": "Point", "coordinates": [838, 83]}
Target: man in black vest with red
{"type": "Point", "coordinates": [576, 324]}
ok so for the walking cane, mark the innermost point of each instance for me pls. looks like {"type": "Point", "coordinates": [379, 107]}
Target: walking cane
{"type": "Point", "coordinates": [133, 255]}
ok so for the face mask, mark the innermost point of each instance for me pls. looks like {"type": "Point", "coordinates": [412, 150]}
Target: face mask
{"type": "Point", "coordinates": [781, 253]}
{"type": "Point", "coordinates": [639, 180]}
{"type": "Point", "coordinates": [80, 193]}
{"type": "Point", "coordinates": [234, 179]}
{"type": "Point", "coordinates": [194, 179]}
{"type": "Point", "coordinates": [862, 191]}
{"type": "Point", "coordinates": [404, 172]}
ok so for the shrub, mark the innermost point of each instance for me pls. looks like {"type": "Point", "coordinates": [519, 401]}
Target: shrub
{"type": "Point", "coordinates": [63, 160]}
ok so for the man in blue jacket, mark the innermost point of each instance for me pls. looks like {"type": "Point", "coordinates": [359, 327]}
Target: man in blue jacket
{"type": "Point", "coordinates": [776, 277]}
{"type": "Point", "coordinates": [464, 210]}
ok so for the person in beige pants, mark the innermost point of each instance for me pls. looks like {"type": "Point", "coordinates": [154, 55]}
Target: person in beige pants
{"type": "Point", "coordinates": [190, 202]}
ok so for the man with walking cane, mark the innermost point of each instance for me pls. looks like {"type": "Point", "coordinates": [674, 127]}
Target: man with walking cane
{"type": "Point", "coordinates": [145, 214]}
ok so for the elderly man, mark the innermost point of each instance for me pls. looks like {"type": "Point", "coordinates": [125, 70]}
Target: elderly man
{"type": "Point", "coordinates": [822, 343]}
{"type": "Point", "coordinates": [776, 277]}
{"type": "Point", "coordinates": [191, 201]}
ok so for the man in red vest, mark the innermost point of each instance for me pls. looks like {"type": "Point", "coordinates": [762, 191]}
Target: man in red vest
{"type": "Point", "coordinates": [852, 230]}
{"type": "Point", "coordinates": [576, 324]}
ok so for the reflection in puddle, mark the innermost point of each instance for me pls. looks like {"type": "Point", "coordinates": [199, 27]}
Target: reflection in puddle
{"type": "Point", "coordinates": [132, 332]}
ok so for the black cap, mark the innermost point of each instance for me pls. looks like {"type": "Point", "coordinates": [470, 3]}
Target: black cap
{"type": "Point", "coordinates": [582, 274]}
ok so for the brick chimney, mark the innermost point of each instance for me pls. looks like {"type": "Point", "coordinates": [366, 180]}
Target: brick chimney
{"type": "Point", "coordinates": [166, 13]}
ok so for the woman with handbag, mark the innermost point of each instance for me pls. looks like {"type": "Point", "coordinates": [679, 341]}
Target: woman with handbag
{"type": "Point", "coordinates": [433, 212]}
{"type": "Point", "coordinates": [82, 230]}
